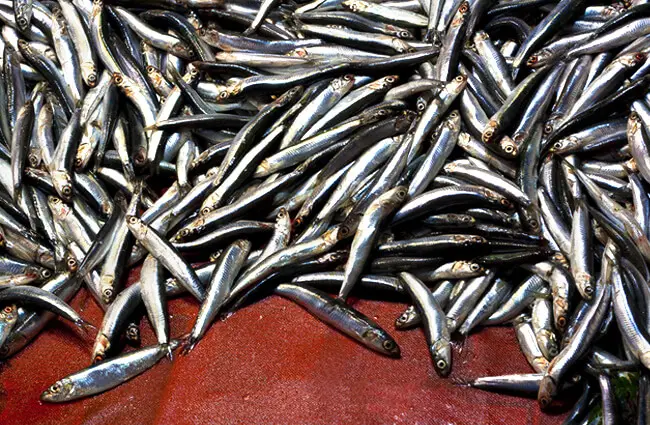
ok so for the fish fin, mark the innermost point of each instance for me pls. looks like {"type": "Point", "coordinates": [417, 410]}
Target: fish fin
{"type": "Point", "coordinates": [86, 328]}
{"type": "Point", "coordinates": [188, 342]}
{"type": "Point", "coordinates": [461, 381]}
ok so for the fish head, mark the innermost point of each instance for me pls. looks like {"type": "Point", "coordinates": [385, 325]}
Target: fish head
{"type": "Point", "coordinates": [355, 5]}
{"type": "Point", "coordinates": [182, 50]}
{"type": "Point", "coordinates": [564, 145]}
{"type": "Point", "coordinates": [89, 73]}
{"type": "Point", "coordinates": [59, 391]}
{"type": "Point", "coordinates": [59, 208]}
{"type": "Point", "coordinates": [62, 184]}
{"type": "Point", "coordinates": [9, 314]}
{"type": "Point", "coordinates": [405, 318]}
{"type": "Point", "coordinates": [381, 342]}
{"type": "Point", "coordinates": [508, 147]}
{"type": "Point", "coordinates": [466, 268]}
{"type": "Point", "coordinates": [547, 391]}
{"type": "Point", "coordinates": [441, 355]}
{"type": "Point", "coordinates": [136, 226]}
{"type": "Point", "coordinates": [101, 347]}
{"type": "Point", "coordinates": [539, 58]}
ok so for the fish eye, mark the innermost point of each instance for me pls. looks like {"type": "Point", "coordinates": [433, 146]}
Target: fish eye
{"type": "Point", "coordinates": [557, 145]}
{"type": "Point", "coordinates": [533, 60]}
{"type": "Point", "coordinates": [388, 345]}
{"type": "Point", "coordinates": [205, 210]}
{"type": "Point", "coordinates": [107, 293]}
{"type": "Point", "coordinates": [464, 8]}
{"type": "Point", "coordinates": [487, 135]}
{"type": "Point", "coordinates": [55, 388]}
{"type": "Point", "coordinates": [133, 219]}
{"type": "Point", "coordinates": [390, 79]}
{"type": "Point", "coordinates": [223, 95]}
{"type": "Point", "coordinates": [504, 202]}
{"type": "Point", "coordinates": [460, 78]}
{"type": "Point", "coordinates": [345, 230]}
{"type": "Point", "coordinates": [8, 309]}
{"type": "Point", "coordinates": [561, 322]}
{"type": "Point", "coordinates": [509, 149]}
{"type": "Point", "coordinates": [46, 273]}
{"type": "Point", "coordinates": [185, 232]}
{"type": "Point", "coordinates": [150, 69]}
{"type": "Point", "coordinates": [66, 190]}
{"type": "Point", "coordinates": [404, 34]}
{"type": "Point", "coordinates": [118, 78]}
{"type": "Point", "coordinates": [475, 267]}
{"type": "Point", "coordinates": [533, 223]}
{"type": "Point", "coordinates": [639, 56]}
{"type": "Point", "coordinates": [441, 364]}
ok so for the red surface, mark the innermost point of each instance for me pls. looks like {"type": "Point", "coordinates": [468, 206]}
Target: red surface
{"type": "Point", "coordinates": [272, 363]}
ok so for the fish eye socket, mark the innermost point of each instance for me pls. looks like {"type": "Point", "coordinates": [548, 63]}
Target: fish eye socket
{"type": "Point", "coordinates": [388, 345]}
{"type": "Point", "coordinates": [504, 202]}
{"type": "Point", "coordinates": [8, 309]}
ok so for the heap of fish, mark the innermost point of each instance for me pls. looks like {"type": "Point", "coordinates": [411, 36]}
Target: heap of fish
{"type": "Point", "coordinates": [485, 161]}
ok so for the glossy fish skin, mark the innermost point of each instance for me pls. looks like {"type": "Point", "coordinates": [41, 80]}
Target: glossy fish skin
{"type": "Point", "coordinates": [153, 296]}
{"type": "Point", "coordinates": [451, 44]}
{"type": "Point", "coordinates": [434, 322]}
{"type": "Point", "coordinates": [105, 375]}
{"type": "Point", "coordinates": [431, 201]}
{"type": "Point", "coordinates": [224, 275]}
{"type": "Point", "coordinates": [43, 299]}
{"type": "Point", "coordinates": [341, 317]}
{"type": "Point", "coordinates": [8, 319]}
{"type": "Point", "coordinates": [528, 344]}
{"type": "Point", "coordinates": [437, 155]}
{"type": "Point", "coordinates": [30, 323]}
{"type": "Point", "coordinates": [366, 234]}
{"type": "Point", "coordinates": [554, 20]}
{"type": "Point", "coordinates": [164, 252]}
{"type": "Point", "coordinates": [488, 304]}
{"type": "Point", "coordinates": [20, 144]}
{"type": "Point", "coordinates": [285, 257]}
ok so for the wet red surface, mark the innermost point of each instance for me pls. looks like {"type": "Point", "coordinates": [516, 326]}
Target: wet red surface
{"type": "Point", "coordinates": [272, 363]}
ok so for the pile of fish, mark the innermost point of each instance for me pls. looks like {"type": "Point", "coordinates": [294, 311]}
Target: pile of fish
{"type": "Point", "coordinates": [486, 162]}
